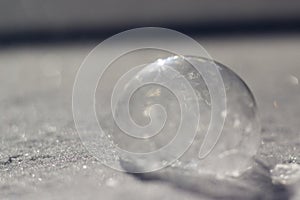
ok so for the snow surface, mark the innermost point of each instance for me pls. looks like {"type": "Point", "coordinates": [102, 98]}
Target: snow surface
{"type": "Point", "coordinates": [41, 156]}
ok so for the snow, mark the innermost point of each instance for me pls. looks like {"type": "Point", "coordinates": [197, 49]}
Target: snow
{"type": "Point", "coordinates": [41, 156]}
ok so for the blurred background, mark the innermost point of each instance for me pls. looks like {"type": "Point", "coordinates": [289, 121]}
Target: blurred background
{"type": "Point", "coordinates": [43, 43]}
{"type": "Point", "coordinates": [33, 20]}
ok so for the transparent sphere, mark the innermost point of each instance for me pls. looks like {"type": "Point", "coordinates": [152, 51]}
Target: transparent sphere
{"type": "Point", "coordinates": [153, 102]}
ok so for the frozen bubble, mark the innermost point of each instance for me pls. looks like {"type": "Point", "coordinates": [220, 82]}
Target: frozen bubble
{"type": "Point", "coordinates": [159, 109]}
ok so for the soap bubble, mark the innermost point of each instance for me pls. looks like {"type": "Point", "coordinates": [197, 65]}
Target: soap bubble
{"type": "Point", "coordinates": [147, 113]}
